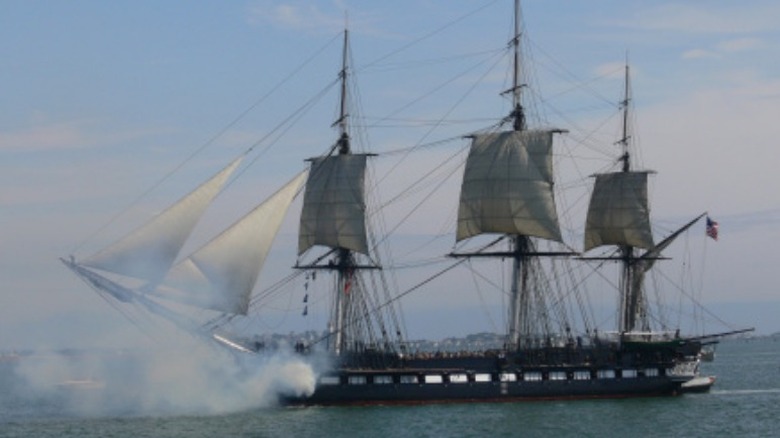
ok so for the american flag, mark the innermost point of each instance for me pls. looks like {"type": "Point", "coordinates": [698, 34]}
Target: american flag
{"type": "Point", "coordinates": [712, 228]}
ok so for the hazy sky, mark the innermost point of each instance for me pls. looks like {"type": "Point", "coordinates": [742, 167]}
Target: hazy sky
{"type": "Point", "coordinates": [102, 99]}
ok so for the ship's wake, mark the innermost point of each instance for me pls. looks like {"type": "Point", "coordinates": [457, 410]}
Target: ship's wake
{"type": "Point", "coordinates": [746, 391]}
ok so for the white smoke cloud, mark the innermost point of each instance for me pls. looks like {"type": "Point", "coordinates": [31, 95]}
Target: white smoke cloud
{"type": "Point", "coordinates": [193, 378]}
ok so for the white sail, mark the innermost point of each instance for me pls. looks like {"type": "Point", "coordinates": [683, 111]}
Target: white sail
{"type": "Point", "coordinates": [333, 206]}
{"type": "Point", "coordinates": [618, 213]}
{"type": "Point", "coordinates": [508, 186]}
{"type": "Point", "coordinates": [149, 251]}
{"type": "Point", "coordinates": [221, 274]}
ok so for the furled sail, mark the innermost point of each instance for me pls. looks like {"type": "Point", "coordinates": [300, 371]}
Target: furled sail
{"type": "Point", "coordinates": [334, 208]}
{"type": "Point", "coordinates": [221, 274]}
{"type": "Point", "coordinates": [642, 264]}
{"type": "Point", "coordinates": [646, 261]}
{"type": "Point", "coordinates": [618, 213]}
{"type": "Point", "coordinates": [508, 186]}
{"type": "Point", "coordinates": [149, 251]}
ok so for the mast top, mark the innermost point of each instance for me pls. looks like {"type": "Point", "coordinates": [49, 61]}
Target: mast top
{"type": "Point", "coordinates": [626, 138]}
{"type": "Point", "coordinates": [518, 113]}
{"type": "Point", "coordinates": [343, 141]}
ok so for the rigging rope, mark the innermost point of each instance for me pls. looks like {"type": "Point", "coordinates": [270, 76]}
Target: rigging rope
{"type": "Point", "coordinates": [429, 34]}
{"type": "Point", "coordinates": [202, 147]}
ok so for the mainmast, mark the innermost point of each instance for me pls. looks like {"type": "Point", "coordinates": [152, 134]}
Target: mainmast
{"type": "Point", "coordinates": [519, 298]}
{"type": "Point", "coordinates": [518, 112]}
{"type": "Point", "coordinates": [625, 139]}
{"type": "Point", "coordinates": [508, 189]}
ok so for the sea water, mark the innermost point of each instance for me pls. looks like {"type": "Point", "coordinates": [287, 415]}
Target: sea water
{"type": "Point", "coordinates": [744, 402]}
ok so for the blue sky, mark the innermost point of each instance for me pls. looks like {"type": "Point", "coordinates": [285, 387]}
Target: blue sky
{"type": "Point", "coordinates": [102, 99]}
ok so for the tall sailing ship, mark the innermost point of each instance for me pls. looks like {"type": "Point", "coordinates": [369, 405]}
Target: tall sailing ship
{"type": "Point", "coordinates": [506, 196]}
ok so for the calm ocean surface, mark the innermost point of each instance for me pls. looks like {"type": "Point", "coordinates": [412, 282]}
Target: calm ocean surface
{"type": "Point", "coordinates": [745, 402]}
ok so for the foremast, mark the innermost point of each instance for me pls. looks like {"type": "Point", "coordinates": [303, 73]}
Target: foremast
{"type": "Point", "coordinates": [619, 215]}
{"type": "Point", "coordinates": [633, 308]}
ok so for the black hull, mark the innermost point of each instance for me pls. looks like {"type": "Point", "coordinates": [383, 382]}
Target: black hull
{"type": "Point", "coordinates": [564, 374]}
{"type": "Point", "coordinates": [486, 392]}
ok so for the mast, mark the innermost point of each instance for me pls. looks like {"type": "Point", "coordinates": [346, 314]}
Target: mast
{"type": "Point", "coordinates": [618, 215]}
{"type": "Point", "coordinates": [519, 295]}
{"type": "Point", "coordinates": [333, 216]}
{"type": "Point", "coordinates": [508, 189]}
{"type": "Point", "coordinates": [632, 306]}
{"type": "Point", "coordinates": [518, 112]}
{"type": "Point", "coordinates": [344, 146]}
{"type": "Point", "coordinates": [624, 140]}
{"type": "Point", "coordinates": [344, 261]}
